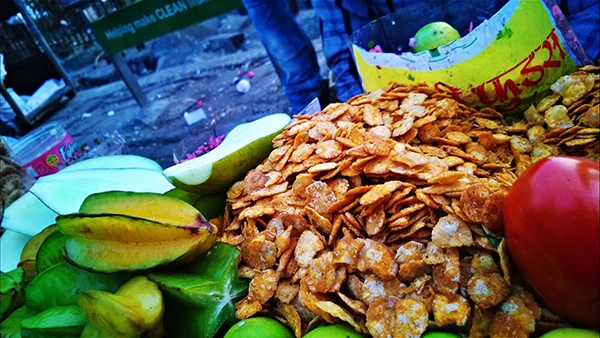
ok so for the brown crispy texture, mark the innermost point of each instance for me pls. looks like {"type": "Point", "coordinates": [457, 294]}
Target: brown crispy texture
{"type": "Point", "coordinates": [389, 204]}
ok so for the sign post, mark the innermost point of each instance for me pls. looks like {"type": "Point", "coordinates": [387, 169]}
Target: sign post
{"type": "Point", "coordinates": [148, 19]}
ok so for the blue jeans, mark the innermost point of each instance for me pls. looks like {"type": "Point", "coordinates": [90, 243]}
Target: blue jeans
{"type": "Point", "coordinates": [290, 50]}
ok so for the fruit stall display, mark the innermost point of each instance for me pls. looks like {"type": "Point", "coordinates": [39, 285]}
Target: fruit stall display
{"type": "Point", "coordinates": [401, 213]}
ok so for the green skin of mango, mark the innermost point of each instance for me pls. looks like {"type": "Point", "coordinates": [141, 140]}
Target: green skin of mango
{"type": "Point", "coordinates": [59, 321]}
{"type": "Point", "coordinates": [231, 168]}
{"type": "Point", "coordinates": [200, 298]}
{"type": "Point", "coordinates": [218, 176]}
{"type": "Point", "coordinates": [64, 280]}
{"type": "Point", "coordinates": [266, 327]}
{"type": "Point", "coordinates": [50, 252]}
{"type": "Point", "coordinates": [12, 285]}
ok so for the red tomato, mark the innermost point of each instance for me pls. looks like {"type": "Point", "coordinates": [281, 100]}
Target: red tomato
{"type": "Point", "coordinates": [552, 216]}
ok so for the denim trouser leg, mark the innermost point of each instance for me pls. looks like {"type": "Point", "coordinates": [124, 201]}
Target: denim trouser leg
{"type": "Point", "coordinates": [289, 48]}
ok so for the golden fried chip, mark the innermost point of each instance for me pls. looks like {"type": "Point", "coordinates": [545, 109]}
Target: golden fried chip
{"type": "Point", "coordinates": [246, 309]}
{"type": "Point", "coordinates": [302, 152]}
{"type": "Point", "coordinates": [483, 263]}
{"type": "Point", "coordinates": [379, 192]}
{"type": "Point", "coordinates": [347, 251]}
{"type": "Point", "coordinates": [320, 197]}
{"type": "Point", "coordinates": [446, 276]}
{"type": "Point", "coordinates": [309, 301]}
{"type": "Point", "coordinates": [355, 305]}
{"type": "Point", "coordinates": [321, 275]}
{"type": "Point", "coordinates": [338, 312]}
{"type": "Point", "coordinates": [372, 116]}
{"type": "Point", "coordinates": [556, 117]}
{"type": "Point", "coordinates": [292, 317]}
{"type": "Point", "coordinates": [433, 254]}
{"type": "Point", "coordinates": [481, 322]}
{"type": "Point", "coordinates": [410, 259]}
{"type": "Point", "coordinates": [487, 290]}
{"type": "Point", "coordinates": [393, 317]}
{"type": "Point", "coordinates": [513, 320]}
{"type": "Point", "coordinates": [308, 246]}
{"type": "Point", "coordinates": [447, 177]}
{"type": "Point", "coordinates": [263, 286]}
{"type": "Point", "coordinates": [318, 220]}
{"type": "Point", "coordinates": [457, 137]}
{"type": "Point", "coordinates": [451, 309]}
{"type": "Point", "coordinates": [378, 258]}
{"type": "Point", "coordinates": [286, 291]}
{"type": "Point", "coordinates": [504, 260]}
{"type": "Point", "coordinates": [375, 221]}
{"type": "Point", "coordinates": [256, 211]}
{"type": "Point", "coordinates": [529, 302]}
{"type": "Point", "coordinates": [260, 253]}
{"type": "Point", "coordinates": [546, 103]}
{"type": "Point", "coordinates": [451, 232]}
{"type": "Point", "coordinates": [283, 240]}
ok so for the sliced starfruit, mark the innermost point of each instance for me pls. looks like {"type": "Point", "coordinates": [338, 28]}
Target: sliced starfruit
{"type": "Point", "coordinates": [50, 252]}
{"type": "Point", "coordinates": [136, 309]}
{"type": "Point", "coordinates": [59, 321]}
{"type": "Point", "coordinates": [11, 326]}
{"type": "Point", "coordinates": [12, 285]}
{"type": "Point", "coordinates": [28, 255]}
{"type": "Point", "coordinates": [56, 286]}
{"type": "Point", "coordinates": [204, 293]}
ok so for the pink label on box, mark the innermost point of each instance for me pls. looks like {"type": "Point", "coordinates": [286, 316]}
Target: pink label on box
{"type": "Point", "coordinates": [53, 159]}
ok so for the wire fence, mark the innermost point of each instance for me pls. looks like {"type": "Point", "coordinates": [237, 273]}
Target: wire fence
{"type": "Point", "coordinates": [66, 30]}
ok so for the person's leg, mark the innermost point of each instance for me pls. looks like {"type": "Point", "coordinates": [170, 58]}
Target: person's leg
{"type": "Point", "coordinates": [289, 48]}
{"type": "Point", "coordinates": [336, 24]}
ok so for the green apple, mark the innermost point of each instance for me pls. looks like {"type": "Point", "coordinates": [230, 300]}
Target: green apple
{"type": "Point", "coordinates": [259, 327]}
{"type": "Point", "coordinates": [440, 335]}
{"type": "Point", "coordinates": [433, 35]}
{"type": "Point", "coordinates": [342, 330]}
{"type": "Point", "coordinates": [246, 146]}
{"type": "Point", "coordinates": [571, 333]}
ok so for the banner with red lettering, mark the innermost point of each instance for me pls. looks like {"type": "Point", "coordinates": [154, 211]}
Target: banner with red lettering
{"type": "Point", "coordinates": [505, 62]}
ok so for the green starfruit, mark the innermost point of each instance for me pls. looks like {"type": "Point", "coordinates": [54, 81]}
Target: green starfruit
{"type": "Point", "coordinates": [201, 299]}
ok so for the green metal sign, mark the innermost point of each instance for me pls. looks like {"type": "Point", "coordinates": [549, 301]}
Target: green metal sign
{"type": "Point", "coordinates": [148, 19]}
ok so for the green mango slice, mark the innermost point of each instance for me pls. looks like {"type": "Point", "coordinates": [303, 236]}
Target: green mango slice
{"type": "Point", "coordinates": [50, 252]}
{"type": "Point", "coordinates": [201, 299]}
{"type": "Point", "coordinates": [11, 326]}
{"type": "Point", "coordinates": [244, 147]}
{"type": "Point", "coordinates": [12, 285]}
{"type": "Point", "coordinates": [57, 286]}
{"type": "Point", "coordinates": [59, 321]}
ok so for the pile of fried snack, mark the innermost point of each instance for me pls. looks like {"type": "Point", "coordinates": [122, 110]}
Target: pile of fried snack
{"type": "Point", "coordinates": [14, 181]}
{"type": "Point", "coordinates": [386, 212]}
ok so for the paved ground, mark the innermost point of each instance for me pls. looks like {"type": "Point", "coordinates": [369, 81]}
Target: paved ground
{"type": "Point", "coordinates": [186, 73]}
